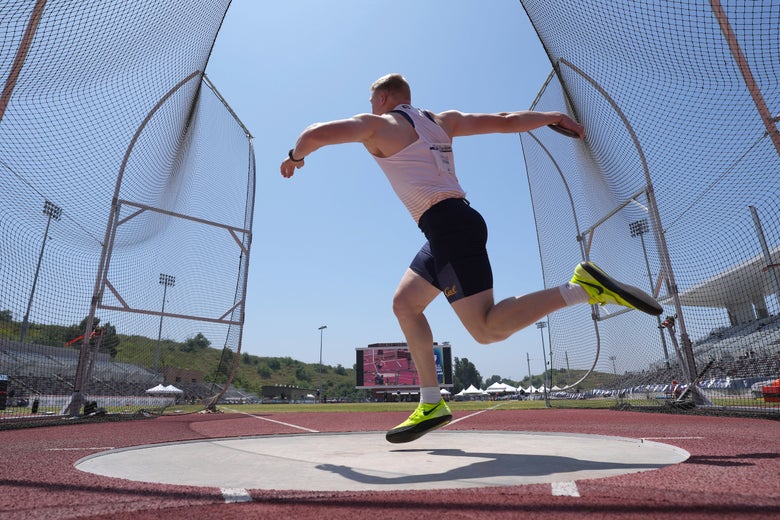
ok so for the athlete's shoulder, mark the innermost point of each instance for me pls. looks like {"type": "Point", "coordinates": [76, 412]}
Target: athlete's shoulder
{"type": "Point", "coordinates": [448, 120]}
{"type": "Point", "coordinates": [368, 118]}
{"type": "Point", "coordinates": [370, 122]}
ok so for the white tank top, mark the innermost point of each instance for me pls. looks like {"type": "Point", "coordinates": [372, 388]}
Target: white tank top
{"type": "Point", "coordinates": [423, 173]}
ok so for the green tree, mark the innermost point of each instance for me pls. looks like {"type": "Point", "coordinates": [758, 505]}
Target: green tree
{"type": "Point", "coordinates": [50, 335]}
{"type": "Point", "coordinates": [492, 379]}
{"type": "Point", "coordinates": [109, 340]}
{"type": "Point", "coordinates": [225, 366]}
{"type": "Point", "coordinates": [198, 342]}
{"type": "Point", "coordinates": [6, 315]}
{"type": "Point", "coordinates": [301, 374]}
{"type": "Point", "coordinates": [465, 374]}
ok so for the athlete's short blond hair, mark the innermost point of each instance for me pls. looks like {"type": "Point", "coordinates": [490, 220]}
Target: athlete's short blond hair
{"type": "Point", "coordinates": [394, 84]}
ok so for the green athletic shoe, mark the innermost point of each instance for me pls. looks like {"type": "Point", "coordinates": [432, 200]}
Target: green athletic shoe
{"type": "Point", "coordinates": [426, 418]}
{"type": "Point", "coordinates": [603, 289]}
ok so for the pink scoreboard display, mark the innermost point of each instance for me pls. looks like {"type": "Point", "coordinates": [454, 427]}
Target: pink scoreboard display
{"type": "Point", "coordinates": [390, 366]}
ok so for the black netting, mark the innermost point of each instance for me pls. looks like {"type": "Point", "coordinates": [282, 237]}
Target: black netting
{"type": "Point", "coordinates": [677, 177]}
{"type": "Point", "coordinates": [123, 176]}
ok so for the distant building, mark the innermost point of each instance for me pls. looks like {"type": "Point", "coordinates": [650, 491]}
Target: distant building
{"type": "Point", "coordinates": [181, 375]}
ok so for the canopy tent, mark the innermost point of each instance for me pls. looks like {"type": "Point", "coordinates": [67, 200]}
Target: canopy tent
{"type": "Point", "coordinates": [501, 388]}
{"type": "Point", "coordinates": [159, 389]}
{"type": "Point", "coordinates": [444, 391]}
{"type": "Point", "coordinates": [164, 390]}
{"type": "Point", "coordinates": [472, 390]}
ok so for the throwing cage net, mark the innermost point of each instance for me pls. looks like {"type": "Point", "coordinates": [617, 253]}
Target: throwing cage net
{"type": "Point", "coordinates": [674, 190]}
{"type": "Point", "coordinates": [126, 195]}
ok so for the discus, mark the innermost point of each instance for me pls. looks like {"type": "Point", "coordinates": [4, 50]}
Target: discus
{"type": "Point", "coordinates": [564, 131]}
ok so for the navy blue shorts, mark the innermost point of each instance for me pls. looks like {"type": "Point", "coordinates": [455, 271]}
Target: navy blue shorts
{"type": "Point", "coordinates": [454, 259]}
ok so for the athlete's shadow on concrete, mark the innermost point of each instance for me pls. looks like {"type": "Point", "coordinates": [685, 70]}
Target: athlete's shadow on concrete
{"type": "Point", "coordinates": [498, 465]}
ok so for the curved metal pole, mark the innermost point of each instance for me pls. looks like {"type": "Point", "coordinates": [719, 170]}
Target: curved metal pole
{"type": "Point", "coordinates": [663, 252]}
{"type": "Point", "coordinates": [584, 256]}
{"type": "Point", "coordinates": [107, 244]}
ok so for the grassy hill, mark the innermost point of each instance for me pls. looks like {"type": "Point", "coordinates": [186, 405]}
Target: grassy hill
{"type": "Point", "coordinates": [253, 372]}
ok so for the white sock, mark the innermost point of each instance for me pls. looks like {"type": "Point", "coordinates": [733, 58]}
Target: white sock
{"type": "Point", "coordinates": [573, 294]}
{"type": "Point", "coordinates": [430, 395]}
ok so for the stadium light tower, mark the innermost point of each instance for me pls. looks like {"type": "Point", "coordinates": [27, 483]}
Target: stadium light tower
{"type": "Point", "coordinates": [319, 388]}
{"type": "Point", "coordinates": [166, 280]}
{"type": "Point", "coordinates": [541, 325]}
{"type": "Point", "coordinates": [614, 373]}
{"type": "Point", "coordinates": [52, 211]}
{"type": "Point", "coordinates": [638, 228]}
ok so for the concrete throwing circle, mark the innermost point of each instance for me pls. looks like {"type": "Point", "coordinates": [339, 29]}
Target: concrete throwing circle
{"type": "Point", "coordinates": [366, 461]}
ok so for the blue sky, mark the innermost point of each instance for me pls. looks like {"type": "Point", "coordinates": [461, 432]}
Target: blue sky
{"type": "Point", "coordinates": [330, 244]}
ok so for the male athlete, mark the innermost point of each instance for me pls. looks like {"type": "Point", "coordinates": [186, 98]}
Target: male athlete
{"type": "Point", "coordinates": [413, 147]}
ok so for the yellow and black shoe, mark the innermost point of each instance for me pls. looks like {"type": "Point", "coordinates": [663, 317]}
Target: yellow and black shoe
{"type": "Point", "coordinates": [604, 289]}
{"type": "Point", "coordinates": [426, 418]}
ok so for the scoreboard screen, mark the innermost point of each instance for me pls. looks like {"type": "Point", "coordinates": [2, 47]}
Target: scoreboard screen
{"type": "Point", "coordinates": [390, 366]}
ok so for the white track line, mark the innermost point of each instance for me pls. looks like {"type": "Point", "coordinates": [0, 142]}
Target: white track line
{"type": "Point", "coordinates": [273, 421]}
{"type": "Point", "coordinates": [670, 438]}
{"type": "Point", "coordinates": [233, 495]}
{"type": "Point", "coordinates": [469, 416]}
{"type": "Point", "coordinates": [101, 448]}
{"type": "Point", "coordinates": [565, 489]}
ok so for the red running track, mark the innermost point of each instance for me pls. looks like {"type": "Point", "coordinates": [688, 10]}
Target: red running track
{"type": "Point", "coordinates": [733, 471]}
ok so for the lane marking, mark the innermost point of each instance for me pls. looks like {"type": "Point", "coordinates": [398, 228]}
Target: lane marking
{"type": "Point", "coordinates": [274, 421]}
{"type": "Point", "coordinates": [234, 495]}
{"type": "Point", "coordinates": [469, 416]}
{"type": "Point", "coordinates": [102, 448]}
{"type": "Point", "coordinates": [565, 489]}
{"type": "Point", "coordinates": [670, 438]}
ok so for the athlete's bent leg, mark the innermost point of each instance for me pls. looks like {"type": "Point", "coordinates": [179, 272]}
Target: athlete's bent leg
{"type": "Point", "coordinates": [488, 322]}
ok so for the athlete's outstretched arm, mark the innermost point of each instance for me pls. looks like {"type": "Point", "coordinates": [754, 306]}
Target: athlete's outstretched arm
{"type": "Point", "coordinates": [356, 129]}
{"type": "Point", "coordinates": [459, 123]}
